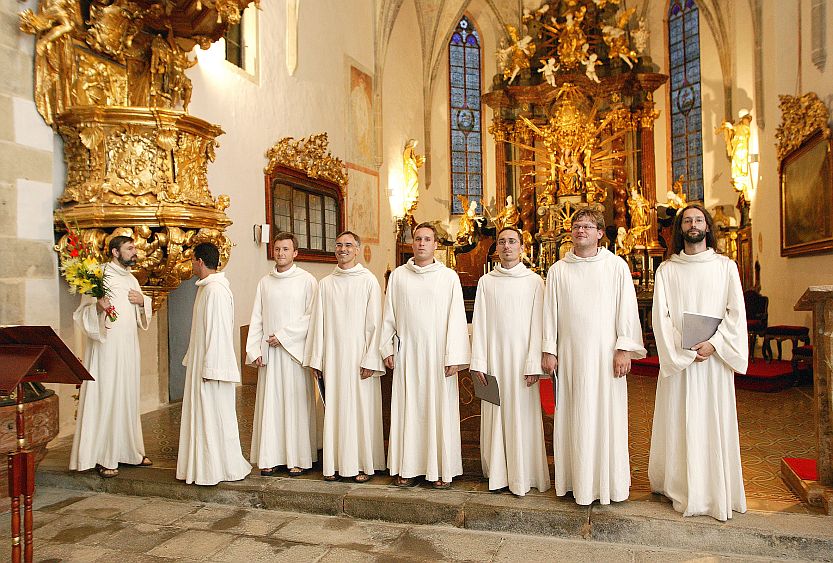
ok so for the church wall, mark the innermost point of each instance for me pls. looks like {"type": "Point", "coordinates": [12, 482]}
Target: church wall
{"type": "Point", "coordinates": [257, 111]}
{"type": "Point", "coordinates": [786, 71]}
{"type": "Point", "coordinates": [402, 119]}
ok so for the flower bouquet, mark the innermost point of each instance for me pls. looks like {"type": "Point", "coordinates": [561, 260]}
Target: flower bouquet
{"type": "Point", "coordinates": [82, 271]}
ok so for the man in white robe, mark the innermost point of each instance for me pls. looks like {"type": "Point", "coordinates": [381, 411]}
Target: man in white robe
{"type": "Point", "coordinates": [108, 428]}
{"type": "Point", "coordinates": [591, 334]}
{"type": "Point", "coordinates": [342, 349]}
{"type": "Point", "coordinates": [285, 422]}
{"type": "Point", "coordinates": [425, 342]}
{"type": "Point", "coordinates": [695, 449]}
{"type": "Point", "coordinates": [209, 442]}
{"type": "Point", "coordinates": [506, 343]}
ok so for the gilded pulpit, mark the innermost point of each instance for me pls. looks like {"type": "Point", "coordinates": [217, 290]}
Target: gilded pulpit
{"type": "Point", "coordinates": [110, 79]}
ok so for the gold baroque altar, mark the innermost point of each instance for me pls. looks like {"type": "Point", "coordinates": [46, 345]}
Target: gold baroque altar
{"type": "Point", "coordinates": [573, 125]}
{"type": "Point", "coordinates": [110, 79]}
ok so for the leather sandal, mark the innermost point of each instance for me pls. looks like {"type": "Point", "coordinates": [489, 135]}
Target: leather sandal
{"type": "Point", "coordinates": [362, 478]}
{"type": "Point", "coordinates": [405, 482]}
{"type": "Point", "coordinates": [105, 472]}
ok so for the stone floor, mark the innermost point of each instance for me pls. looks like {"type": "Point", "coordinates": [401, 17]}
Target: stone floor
{"type": "Point", "coordinates": [82, 526]}
{"type": "Point", "coordinates": [771, 425]}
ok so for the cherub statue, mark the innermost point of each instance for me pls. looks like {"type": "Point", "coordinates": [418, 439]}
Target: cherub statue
{"type": "Point", "coordinates": [411, 162]}
{"type": "Point", "coordinates": [517, 54]}
{"type": "Point", "coordinates": [548, 70]}
{"type": "Point", "coordinates": [590, 63]}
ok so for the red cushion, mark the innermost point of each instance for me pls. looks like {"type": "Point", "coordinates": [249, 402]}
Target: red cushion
{"type": "Point", "coordinates": [754, 324]}
{"type": "Point", "coordinates": [788, 330]}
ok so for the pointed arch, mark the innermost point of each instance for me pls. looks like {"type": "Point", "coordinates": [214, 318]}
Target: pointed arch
{"type": "Point", "coordinates": [685, 100]}
{"type": "Point", "coordinates": [465, 82]}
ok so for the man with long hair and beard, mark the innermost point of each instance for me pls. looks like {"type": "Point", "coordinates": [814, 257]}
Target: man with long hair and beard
{"type": "Point", "coordinates": [695, 449]}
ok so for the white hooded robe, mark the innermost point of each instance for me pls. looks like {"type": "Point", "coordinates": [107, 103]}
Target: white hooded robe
{"type": "Point", "coordinates": [506, 343]}
{"type": "Point", "coordinates": [695, 448]}
{"type": "Point", "coordinates": [343, 338]}
{"type": "Point", "coordinates": [285, 420]}
{"type": "Point", "coordinates": [425, 329]}
{"type": "Point", "coordinates": [209, 440]}
{"type": "Point", "coordinates": [590, 311]}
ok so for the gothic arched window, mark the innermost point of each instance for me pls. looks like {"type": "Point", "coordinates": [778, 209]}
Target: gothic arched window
{"type": "Point", "coordinates": [464, 114]}
{"type": "Point", "coordinates": [686, 110]}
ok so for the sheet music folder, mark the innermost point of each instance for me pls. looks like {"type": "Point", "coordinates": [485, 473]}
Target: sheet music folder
{"type": "Point", "coordinates": [698, 328]}
{"type": "Point", "coordinates": [489, 392]}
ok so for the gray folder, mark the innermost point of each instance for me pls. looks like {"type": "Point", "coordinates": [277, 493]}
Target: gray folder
{"type": "Point", "coordinates": [489, 392]}
{"type": "Point", "coordinates": [698, 328]}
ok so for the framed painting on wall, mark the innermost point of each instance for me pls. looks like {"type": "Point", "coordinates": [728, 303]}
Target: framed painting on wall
{"type": "Point", "coordinates": [806, 185]}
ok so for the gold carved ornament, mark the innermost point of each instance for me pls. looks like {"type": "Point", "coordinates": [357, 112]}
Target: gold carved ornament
{"type": "Point", "coordinates": [800, 118]}
{"type": "Point", "coordinates": [310, 156]}
{"type": "Point", "coordinates": [136, 164]}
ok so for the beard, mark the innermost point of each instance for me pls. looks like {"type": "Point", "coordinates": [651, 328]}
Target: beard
{"type": "Point", "coordinates": [129, 263]}
{"type": "Point", "coordinates": [693, 236]}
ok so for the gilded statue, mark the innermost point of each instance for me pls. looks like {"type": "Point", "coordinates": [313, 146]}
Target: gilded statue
{"type": "Point", "coordinates": [169, 83]}
{"type": "Point", "coordinates": [676, 196]}
{"type": "Point", "coordinates": [54, 19]}
{"type": "Point", "coordinates": [571, 38]}
{"type": "Point", "coordinates": [509, 215]}
{"type": "Point", "coordinates": [616, 38]}
{"type": "Point", "coordinates": [737, 136]}
{"type": "Point", "coordinates": [465, 231]}
{"type": "Point", "coordinates": [515, 57]}
{"type": "Point", "coordinates": [571, 175]}
{"type": "Point", "coordinates": [411, 163]}
{"type": "Point", "coordinates": [639, 207]}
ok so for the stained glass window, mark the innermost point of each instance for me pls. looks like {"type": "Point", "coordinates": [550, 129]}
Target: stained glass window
{"type": "Point", "coordinates": [686, 108]}
{"type": "Point", "coordinates": [464, 114]}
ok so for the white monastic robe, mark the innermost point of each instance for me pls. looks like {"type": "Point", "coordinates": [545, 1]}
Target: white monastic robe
{"type": "Point", "coordinates": [343, 337]}
{"type": "Point", "coordinates": [108, 428]}
{"type": "Point", "coordinates": [285, 426]}
{"type": "Point", "coordinates": [590, 311]}
{"type": "Point", "coordinates": [209, 442]}
{"type": "Point", "coordinates": [425, 329]}
{"type": "Point", "coordinates": [695, 450]}
{"type": "Point", "coordinates": [506, 343]}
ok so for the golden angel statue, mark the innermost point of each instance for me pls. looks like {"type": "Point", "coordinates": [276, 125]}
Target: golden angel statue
{"type": "Point", "coordinates": [411, 163]}
{"type": "Point", "coordinates": [737, 136]}
{"type": "Point", "coordinates": [616, 38]}
{"type": "Point", "coordinates": [516, 56]}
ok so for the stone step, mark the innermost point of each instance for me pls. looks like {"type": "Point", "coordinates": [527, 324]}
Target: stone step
{"type": "Point", "coordinates": [645, 523]}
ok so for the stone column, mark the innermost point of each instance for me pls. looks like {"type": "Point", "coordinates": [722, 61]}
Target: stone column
{"type": "Point", "coordinates": [819, 300]}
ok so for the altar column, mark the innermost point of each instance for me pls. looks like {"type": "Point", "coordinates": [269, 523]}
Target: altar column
{"type": "Point", "coordinates": [498, 130]}
{"type": "Point", "coordinates": [647, 115]}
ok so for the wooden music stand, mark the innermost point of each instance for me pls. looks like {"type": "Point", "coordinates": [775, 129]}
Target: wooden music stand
{"type": "Point", "coordinates": [30, 354]}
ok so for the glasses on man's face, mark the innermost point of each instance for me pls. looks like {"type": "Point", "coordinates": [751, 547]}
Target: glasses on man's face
{"type": "Point", "coordinates": [508, 242]}
{"type": "Point", "coordinates": [583, 227]}
{"type": "Point", "coordinates": [694, 221]}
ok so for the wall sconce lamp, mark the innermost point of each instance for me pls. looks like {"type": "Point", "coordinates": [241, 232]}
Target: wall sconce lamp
{"type": "Point", "coordinates": [260, 234]}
